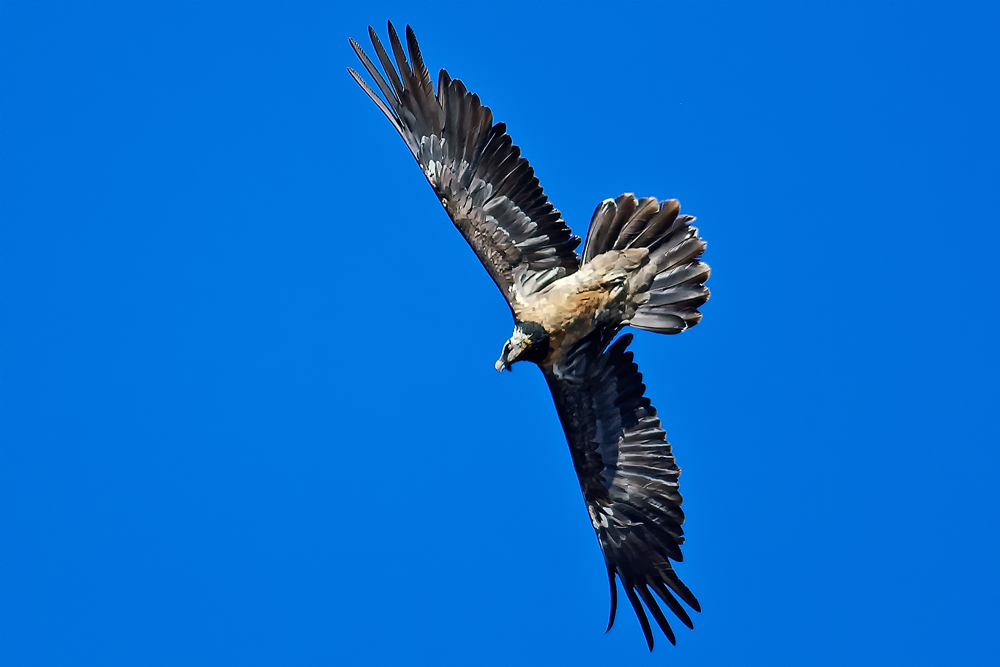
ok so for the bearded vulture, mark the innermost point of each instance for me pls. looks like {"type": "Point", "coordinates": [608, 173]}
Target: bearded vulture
{"type": "Point", "coordinates": [639, 267]}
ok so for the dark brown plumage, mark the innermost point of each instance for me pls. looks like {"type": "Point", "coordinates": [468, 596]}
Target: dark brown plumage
{"type": "Point", "coordinates": [640, 267]}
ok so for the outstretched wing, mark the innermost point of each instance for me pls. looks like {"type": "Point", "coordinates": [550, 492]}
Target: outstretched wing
{"type": "Point", "coordinates": [488, 189]}
{"type": "Point", "coordinates": [627, 474]}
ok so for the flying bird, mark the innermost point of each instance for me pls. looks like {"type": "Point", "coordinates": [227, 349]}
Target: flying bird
{"type": "Point", "coordinates": [640, 267]}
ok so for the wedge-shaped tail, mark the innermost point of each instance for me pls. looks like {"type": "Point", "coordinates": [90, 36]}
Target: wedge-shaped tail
{"type": "Point", "coordinates": [676, 284]}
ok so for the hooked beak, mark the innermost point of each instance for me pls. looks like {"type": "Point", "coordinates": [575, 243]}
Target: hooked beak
{"type": "Point", "coordinates": [504, 360]}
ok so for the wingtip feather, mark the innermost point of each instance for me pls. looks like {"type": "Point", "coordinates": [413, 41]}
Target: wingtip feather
{"type": "Point", "coordinates": [654, 608]}
{"type": "Point", "coordinates": [614, 599]}
{"type": "Point", "coordinates": [640, 613]}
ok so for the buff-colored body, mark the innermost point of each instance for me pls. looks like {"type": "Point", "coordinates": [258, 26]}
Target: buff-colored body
{"type": "Point", "coordinates": [606, 289]}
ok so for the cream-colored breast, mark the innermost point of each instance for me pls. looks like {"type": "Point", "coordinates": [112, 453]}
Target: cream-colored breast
{"type": "Point", "coordinates": [574, 306]}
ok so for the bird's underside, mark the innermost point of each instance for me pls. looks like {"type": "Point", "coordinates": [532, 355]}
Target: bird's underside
{"type": "Point", "coordinates": [639, 266]}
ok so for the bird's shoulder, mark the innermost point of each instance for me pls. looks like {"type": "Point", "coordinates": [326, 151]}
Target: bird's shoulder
{"type": "Point", "coordinates": [564, 302]}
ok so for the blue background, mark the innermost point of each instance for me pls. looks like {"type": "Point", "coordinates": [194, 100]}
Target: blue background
{"type": "Point", "coordinates": [249, 411]}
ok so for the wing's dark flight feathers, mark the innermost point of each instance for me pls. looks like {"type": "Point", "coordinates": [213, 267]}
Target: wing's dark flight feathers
{"type": "Point", "coordinates": [654, 608]}
{"type": "Point", "coordinates": [449, 103]}
{"type": "Point", "coordinates": [420, 70]}
{"type": "Point", "coordinates": [464, 115]}
{"type": "Point", "coordinates": [497, 148]}
{"type": "Point", "coordinates": [484, 135]}
{"type": "Point", "coordinates": [677, 586]}
{"type": "Point", "coordinates": [661, 537]}
{"type": "Point", "coordinates": [627, 471]}
{"type": "Point", "coordinates": [375, 98]}
{"type": "Point", "coordinates": [377, 76]}
{"type": "Point", "coordinates": [488, 189]}
{"type": "Point", "coordinates": [672, 603]}
{"type": "Point", "coordinates": [444, 80]}
{"type": "Point", "coordinates": [651, 532]}
{"type": "Point", "coordinates": [482, 132]}
{"type": "Point", "coordinates": [647, 631]}
{"type": "Point", "coordinates": [397, 85]}
{"type": "Point", "coordinates": [501, 146]}
{"type": "Point", "coordinates": [519, 183]}
{"type": "Point", "coordinates": [502, 171]}
{"type": "Point", "coordinates": [614, 595]}
{"type": "Point", "coordinates": [667, 518]}
{"type": "Point", "coordinates": [504, 168]}
{"type": "Point", "coordinates": [397, 51]}
{"type": "Point", "coordinates": [426, 113]}
{"type": "Point", "coordinates": [468, 126]}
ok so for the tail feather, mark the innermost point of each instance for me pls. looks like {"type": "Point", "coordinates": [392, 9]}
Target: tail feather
{"type": "Point", "coordinates": [668, 296]}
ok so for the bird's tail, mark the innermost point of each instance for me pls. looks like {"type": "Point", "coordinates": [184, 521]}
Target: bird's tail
{"type": "Point", "coordinates": [668, 290]}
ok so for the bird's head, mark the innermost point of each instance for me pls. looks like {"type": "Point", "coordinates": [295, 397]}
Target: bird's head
{"type": "Point", "coordinates": [529, 342]}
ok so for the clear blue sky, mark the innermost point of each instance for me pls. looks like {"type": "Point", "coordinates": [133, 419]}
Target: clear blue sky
{"type": "Point", "coordinates": [249, 411]}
